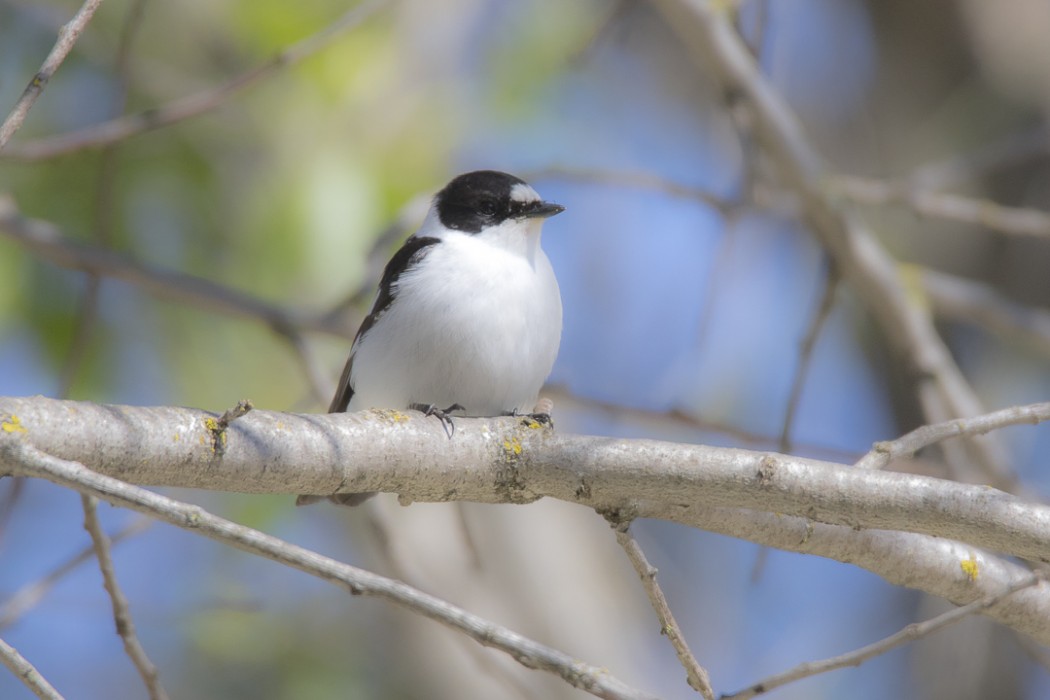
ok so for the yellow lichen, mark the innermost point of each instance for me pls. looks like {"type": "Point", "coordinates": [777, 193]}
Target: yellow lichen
{"type": "Point", "coordinates": [14, 425]}
{"type": "Point", "coordinates": [390, 415]}
{"type": "Point", "coordinates": [512, 447]}
{"type": "Point", "coordinates": [969, 567]}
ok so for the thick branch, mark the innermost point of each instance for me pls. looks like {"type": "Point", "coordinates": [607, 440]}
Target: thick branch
{"type": "Point", "coordinates": [505, 460]}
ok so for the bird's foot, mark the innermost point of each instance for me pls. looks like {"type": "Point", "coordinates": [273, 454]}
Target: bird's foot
{"type": "Point", "coordinates": [442, 414]}
{"type": "Point", "coordinates": [540, 416]}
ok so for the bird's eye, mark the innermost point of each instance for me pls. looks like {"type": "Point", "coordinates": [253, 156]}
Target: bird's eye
{"type": "Point", "coordinates": [487, 207]}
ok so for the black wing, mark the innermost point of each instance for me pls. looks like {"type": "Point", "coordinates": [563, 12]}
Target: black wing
{"type": "Point", "coordinates": [414, 249]}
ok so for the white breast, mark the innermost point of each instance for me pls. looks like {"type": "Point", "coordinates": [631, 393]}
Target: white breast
{"type": "Point", "coordinates": [478, 323]}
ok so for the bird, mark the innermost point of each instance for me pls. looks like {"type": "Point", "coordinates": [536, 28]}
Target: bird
{"type": "Point", "coordinates": [468, 314]}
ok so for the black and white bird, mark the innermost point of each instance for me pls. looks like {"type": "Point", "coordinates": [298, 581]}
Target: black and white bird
{"type": "Point", "coordinates": [468, 313]}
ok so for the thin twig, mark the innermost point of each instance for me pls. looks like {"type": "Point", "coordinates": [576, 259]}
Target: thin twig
{"type": "Point", "coordinates": [238, 410]}
{"type": "Point", "coordinates": [1015, 221]}
{"type": "Point", "coordinates": [67, 38]}
{"type": "Point", "coordinates": [27, 673]}
{"type": "Point", "coordinates": [678, 419]}
{"type": "Point", "coordinates": [102, 228]}
{"type": "Point", "coordinates": [527, 652]}
{"type": "Point", "coordinates": [28, 596]}
{"type": "Point", "coordinates": [1013, 149]}
{"type": "Point", "coordinates": [809, 343]}
{"type": "Point", "coordinates": [632, 179]}
{"type": "Point", "coordinates": [695, 673]}
{"type": "Point", "coordinates": [121, 610]}
{"type": "Point", "coordinates": [966, 300]}
{"type": "Point", "coordinates": [882, 453]}
{"type": "Point", "coordinates": [910, 633]}
{"type": "Point", "coordinates": [190, 106]}
{"type": "Point", "coordinates": [45, 240]}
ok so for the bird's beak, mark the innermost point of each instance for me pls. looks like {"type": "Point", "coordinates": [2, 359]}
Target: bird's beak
{"type": "Point", "coordinates": [543, 210]}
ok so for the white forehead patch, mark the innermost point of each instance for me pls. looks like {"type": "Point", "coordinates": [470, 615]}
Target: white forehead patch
{"type": "Point", "coordinates": [523, 193]}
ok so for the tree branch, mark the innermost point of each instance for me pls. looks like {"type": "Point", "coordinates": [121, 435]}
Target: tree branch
{"type": "Point", "coordinates": [25, 598]}
{"type": "Point", "coordinates": [839, 512]}
{"type": "Point", "coordinates": [912, 632]}
{"type": "Point", "coordinates": [1012, 221]}
{"type": "Point", "coordinates": [31, 461]}
{"type": "Point", "coordinates": [696, 674]}
{"type": "Point", "coordinates": [67, 39]}
{"type": "Point", "coordinates": [27, 673]}
{"type": "Point", "coordinates": [885, 452]}
{"type": "Point", "coordinates": [48, 243]}
{"type": "Point", "coordinates": [125, 127]}
{"type": "Point", "coordinates": [965, 300]}
{"type": "Point", "coordinates": [121, 610]}
{"type": "Point", "coordinates": [940, 386]}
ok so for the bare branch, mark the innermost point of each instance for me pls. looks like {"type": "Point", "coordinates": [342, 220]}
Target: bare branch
{"type": "Point", "coordinates": [842, 512]}
{"type": "Point", "coordinates": [657, 421]}
{"type": "Point", "coordinates": [102, 226]}
{"type": "Point", "coordinates": [695, 673]}
{"type": "Point", "coordinates": [910, 633]}
{"type": "Point", "coordinates": [193, 105]}
{"type": "Point", "coordinates": [67, 38]}
{"type": "Point", "coordinates": [357, 581]}
{"type": "Point", "coordinates": [27, 673]}
{"type": "Point", "coordinates": [884, 452]}
{"type": "Point", "coordinates": [1013, 221]}
{"type": "Point", "coordinates": [45, 240]}
{"type": "Point", "coordinates": [941, 387]}
{"type": "Point", "coordinates": [633, 179]}
{"type": "Point", "coordinates": [121, 610]}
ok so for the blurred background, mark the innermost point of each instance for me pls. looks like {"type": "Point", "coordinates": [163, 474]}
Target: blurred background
{"type": "Point", "coordinates": [688, 280]}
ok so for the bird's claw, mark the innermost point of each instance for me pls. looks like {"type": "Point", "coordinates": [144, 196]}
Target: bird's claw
{"type": "Point", "coordinates": [442, 414]}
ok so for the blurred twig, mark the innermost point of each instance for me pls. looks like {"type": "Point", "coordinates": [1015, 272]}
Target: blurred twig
{"type": "Point", "coordinates": [26, 597]}
{"type": "Point", "coordinates": [910, 633]}
{"type": "Point", "coordinates": [942, 389]}
{"type": "Point", "coordinates": [965, 300]}
{"type": "Point", "coordinates": [1014, 221]}
{"type": "Point", "coordinates": [27, 673]}
{"type": "Point", "coordinates": [190, 106]}
{"type": "Point", "coordinates": [45, 240]}
{"type": "Point", "coordinates": [809, 344]}
{"type": "Point", "coordinates": [958, 168]}
{"type": "Point", "coordinates": [87, 313]}
{"type": "Point", "coordinates": [67, 38]}
{"type": "Point", "coordinates": [633, 179]}
{"type": "Point", "coordinates": [565, 398]}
